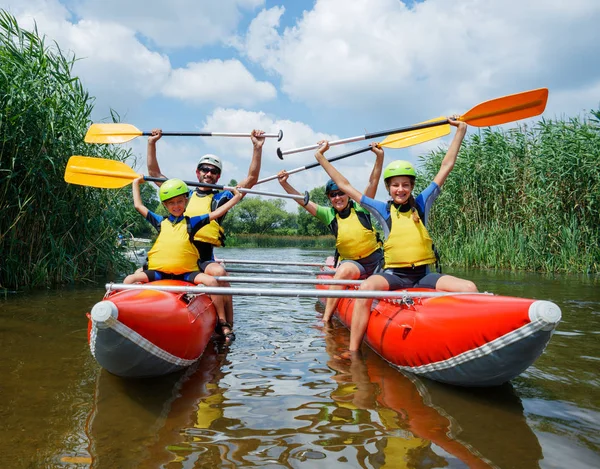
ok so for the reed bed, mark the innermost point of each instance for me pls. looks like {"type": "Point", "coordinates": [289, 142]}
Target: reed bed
{"type": "Point", "coordinates": [50, 232]}
{"type": "Point", "coordinates": [522, 199]}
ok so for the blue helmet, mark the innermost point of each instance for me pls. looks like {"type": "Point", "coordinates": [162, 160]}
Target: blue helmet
{"type": "Point", "coordinates": [330, 186]}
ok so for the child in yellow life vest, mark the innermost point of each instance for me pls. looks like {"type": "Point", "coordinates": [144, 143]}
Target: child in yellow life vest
{"type": "Point", "coordinates": [173, 255]}
{"type": "Point", "coordinates": [408, 250]}
{"type": "Point", "coordinates": [356, 240]}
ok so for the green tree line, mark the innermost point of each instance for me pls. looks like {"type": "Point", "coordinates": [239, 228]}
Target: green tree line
{"type": "Point", "coordinates": [526, 198]}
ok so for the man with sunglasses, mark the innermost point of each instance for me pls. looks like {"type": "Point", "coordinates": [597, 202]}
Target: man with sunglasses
{"type": "Point", "coordinates": [205, 200]}
{"type": "Point", "coordinates": [357, 243]}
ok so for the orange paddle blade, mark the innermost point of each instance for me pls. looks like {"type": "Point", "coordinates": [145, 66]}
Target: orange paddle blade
{"type": "Point", "coordinates": [99, 172]}
{"type": "Point", "coordinates": [414, 137]}
{"type": "Point", "coordinates": [111, 133]}
{"type": "Point", "coordinates": [507, 109]}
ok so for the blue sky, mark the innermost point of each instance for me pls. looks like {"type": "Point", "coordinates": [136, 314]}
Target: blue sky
{"type": "Point", "coordinates": [316, 69]}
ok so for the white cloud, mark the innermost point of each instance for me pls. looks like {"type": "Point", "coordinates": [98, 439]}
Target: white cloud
{"type": "Point", "coordinates": [437, 56]}
{"type": "Point", "coordinates": [224, 82]}
{"type": "Point", "coordinates": [121, 72]}
{"type": "Point", "coordinates": [238, 151]}
{"type": "Point", "coordinates": [174, 24]}
{"type": "Point", "coordinates": [239, 120]}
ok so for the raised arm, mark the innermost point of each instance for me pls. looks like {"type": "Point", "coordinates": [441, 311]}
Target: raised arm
{"type": "Point", "coordinates": [283, 176]}
{"type": "Point", "coordinates": [371, 189]}
{"type": "Point", "coordinates": [151, 160]}
{"type": "Point", "coordinates": [254, 169]}
{"type": "Point", "coordinates": [137, 197]}
{"type": "Point", "coordinates": [334, 174]}
{"type": "Point", "coordinates": [223, 209]}
{"type": "Point", "coordinates": [452, 153]}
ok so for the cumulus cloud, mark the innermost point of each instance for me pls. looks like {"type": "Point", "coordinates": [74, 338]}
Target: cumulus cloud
{"type": "Point", "coordinates": [226, 82]}
{"type": "Point", "coordinates": [436, 54]}
{"type": "Point", "coordinates": [120, 71]}
{"type": "Point", "coordinates": [176, 24]}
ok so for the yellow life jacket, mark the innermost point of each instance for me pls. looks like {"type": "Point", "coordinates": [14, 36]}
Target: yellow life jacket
{"type": "Point", "coordinates": [409, 243]}
{"type": "Point", "coordinates": [173, 251]}
{"type": "Point", "coordinates": [355, 237]}
{"type": "Point", "coordinates": [213, 233]}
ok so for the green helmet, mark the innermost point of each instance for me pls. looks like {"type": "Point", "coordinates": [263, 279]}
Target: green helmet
{"type": "Point", "coordinates": [172, 188]}
{"type": "Point", "coordinates": [399, 168]}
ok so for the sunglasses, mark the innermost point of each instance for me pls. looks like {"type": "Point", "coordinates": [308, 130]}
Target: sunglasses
{"type": "Point", "coordinates": [207, 169]}
{"type": "Point", "coordinates": [334, 194]}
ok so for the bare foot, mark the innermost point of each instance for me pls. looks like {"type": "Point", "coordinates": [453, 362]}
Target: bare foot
{"type": "Point", "coordinates": [348, 355]}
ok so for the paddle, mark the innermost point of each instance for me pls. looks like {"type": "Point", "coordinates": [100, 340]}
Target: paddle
{"type": "Point", "coordinates": [392, 141]}
{"type": "Point", "coordinates": [294, 293]}
{"type": "Point", "coordinates": [111, 174]}
{"type": "Point", "coordinates": [121, 133]}
{"type": "Point", "coordinates": [494, 112]}
{"type": "Point", "coordinates": [431, 130]}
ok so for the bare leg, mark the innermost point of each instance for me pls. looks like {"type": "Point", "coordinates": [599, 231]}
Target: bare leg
{"type": "Point", "coordinates": [362, 310]}
{"type": "Point", "coordinates": [450, 283]}
{"type": "Point", "coordinates": [136, 277]}
{"type": "Point", "coordinates": [346, 271]}
{"type": "Point", "coordinates": [216, 299]}
{"type": "Point", "coordinates": [216, 270]}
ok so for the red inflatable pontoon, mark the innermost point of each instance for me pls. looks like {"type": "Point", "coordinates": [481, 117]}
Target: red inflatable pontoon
{"type": "Point", "coordinates": [143, 333]}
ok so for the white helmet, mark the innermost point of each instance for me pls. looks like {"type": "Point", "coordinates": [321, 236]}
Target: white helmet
{"type": "Point", "coordinates": [211, 159]}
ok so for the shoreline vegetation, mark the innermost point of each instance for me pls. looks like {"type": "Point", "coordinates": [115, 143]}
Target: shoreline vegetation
{"type": "Point", "coordinates": [522, 199]}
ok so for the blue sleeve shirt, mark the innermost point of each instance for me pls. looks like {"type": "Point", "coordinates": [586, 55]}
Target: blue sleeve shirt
{"type": "Point", "coordinates": [381, 210]}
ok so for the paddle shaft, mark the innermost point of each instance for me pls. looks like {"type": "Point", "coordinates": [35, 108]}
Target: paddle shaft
{"type": "Point", "coordinates": [293, 281]}
{"type": "Point", "coordinates": [304, 198]}
{"type": "Point", "coordinates": [424, 125]}
{"type": "Point", "coordinates": [278, 135]}
{"type": "Point", "coordinates": [314, 165]}
{"type": "Point", "coordinates": [281, 292]}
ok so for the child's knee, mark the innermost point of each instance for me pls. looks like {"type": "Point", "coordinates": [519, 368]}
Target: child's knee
{"type": "Point", "coordinates": [206, 280]}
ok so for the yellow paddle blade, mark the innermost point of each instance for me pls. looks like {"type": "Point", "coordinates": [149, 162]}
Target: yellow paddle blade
{"type": "Point", "coordinates": [99, 172]}
{"type": "Point", "coordinates": [414, 137]}
{"type": "Point", "coordinates": [111, 133]}
{"type": "Point", "coordinates": [507, 109]}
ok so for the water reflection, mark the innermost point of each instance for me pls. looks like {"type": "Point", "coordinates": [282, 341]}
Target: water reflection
{"type": "Point", "coordinates": [278, 398]}
{"type": "Point", "coordinates": [133, 422]}
{"type": "Point", "coordinates": [427, 422]}
{"type": "Point", "coordinates": [366, 414]}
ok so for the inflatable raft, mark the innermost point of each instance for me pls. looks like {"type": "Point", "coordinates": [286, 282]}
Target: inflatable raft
{"type": "Point", "coordinates": [144, 333]}
{"type": "Point", "coordinates": [461, 339]}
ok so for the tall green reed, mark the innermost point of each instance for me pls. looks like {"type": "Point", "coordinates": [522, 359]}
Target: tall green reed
{"type": "Point", "coordinates": [523, 199]}
{"type": "Point", "coordinates": [50, 232]}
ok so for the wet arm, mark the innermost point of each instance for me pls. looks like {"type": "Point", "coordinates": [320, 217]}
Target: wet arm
{"type": "Point", "coordinates": [254, 169]}
{"type": "Point", "coordinates": [137, 197]}
{"type": "Point", "coordinates": [223, 209]}
{"type": "Point", "coordinates": [452, 153]}
{"type": "Point", "coordinates": [371, 189]}
{"type": "Point", "coordinates": [151, 160]}
{"type": "Point", "coordinates": [343, 183]}
{"type": "Point", "coordinates": [311, 207]}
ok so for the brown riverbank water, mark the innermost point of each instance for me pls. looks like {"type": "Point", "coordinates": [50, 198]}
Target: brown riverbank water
{"type": "Point", "coordinates": [278, 398]}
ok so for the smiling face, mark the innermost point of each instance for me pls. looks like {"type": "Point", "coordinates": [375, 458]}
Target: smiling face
{"type": "Point", "coordinates": [176, 206]}
{"type": "Point", "coordinates": [338, 199]}
{"type": "Point", "coordinates": [400, 188]}
{"type": "Point", "coordinates": [208, 173]}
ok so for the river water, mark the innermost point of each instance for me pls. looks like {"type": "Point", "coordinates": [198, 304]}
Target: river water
{"type": "Point", "coordinates": [277, 397]}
